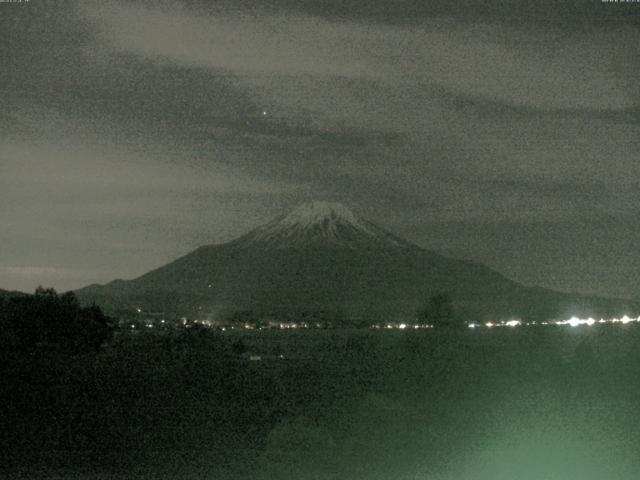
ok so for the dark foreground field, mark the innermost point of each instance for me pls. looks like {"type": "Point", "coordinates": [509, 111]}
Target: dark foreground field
{"type": "Point", "coordinates": [508, 404]}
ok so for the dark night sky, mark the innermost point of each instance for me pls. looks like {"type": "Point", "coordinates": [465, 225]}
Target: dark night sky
{"type": "Point", "coordinates": [505, 132]}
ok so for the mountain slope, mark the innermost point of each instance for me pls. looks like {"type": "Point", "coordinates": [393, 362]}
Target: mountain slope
{"type": "Point", "coordinates": [11, 294]}
{"type": "Point", "coordinates": [322, 259]}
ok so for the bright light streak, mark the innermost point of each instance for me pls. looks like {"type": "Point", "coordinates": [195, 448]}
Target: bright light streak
{"type": "Point", "coordinates": [574, 321]}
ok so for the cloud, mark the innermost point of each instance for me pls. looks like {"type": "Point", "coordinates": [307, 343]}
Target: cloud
{"type": "Point", "coordinates": [545, 68]}
{"type": "Point", "coordinates": [280, 44]}
{"type": "Point", "coordinates": [133, 133]}
{"type": "Point", "coordinates": [86, 206]}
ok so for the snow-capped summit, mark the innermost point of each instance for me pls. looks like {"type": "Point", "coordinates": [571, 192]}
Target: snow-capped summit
{"type": "Point", "coordinates": [320, 222]}
{"type": "Point", "coordinates": [313, 213]}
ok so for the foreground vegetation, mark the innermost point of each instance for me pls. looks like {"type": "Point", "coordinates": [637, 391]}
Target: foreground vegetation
{"type": "Point", "coordinates": [190, 403]}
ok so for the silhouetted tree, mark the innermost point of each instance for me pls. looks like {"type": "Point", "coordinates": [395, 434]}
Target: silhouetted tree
{"type": "Point", "coordinates": [439, 312]}
{"type": "Point", "coordinates": [47, 319]}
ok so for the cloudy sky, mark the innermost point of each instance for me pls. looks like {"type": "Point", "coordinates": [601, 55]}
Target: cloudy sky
{"type": "Point", "coordinates": [505, 132]}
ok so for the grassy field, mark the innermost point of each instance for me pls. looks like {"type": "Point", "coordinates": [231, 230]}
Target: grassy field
{"type": "Point", "coordinates": [501, 404]}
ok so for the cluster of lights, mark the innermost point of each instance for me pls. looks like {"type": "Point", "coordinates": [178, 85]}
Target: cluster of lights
{"type": "Point", "coordinates": [575, 322]}
{"type": "Point", "coordinates": [510, 323]}
{"type": "Point", "coordinates": [251, 326]}
{"type": "Point", "coordinates": [572, 322]}
{"type": "Point", "coordinates": [400, 326]}
{"type": "Point", "coordinates": [286, 326]}
{"type": "Point", "coordinates": [205, 323]}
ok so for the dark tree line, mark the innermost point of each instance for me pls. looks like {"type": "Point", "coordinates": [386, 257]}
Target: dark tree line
{"type": "Point", "coordinates": [440, 313]}
{"type": "Point", "coordinates": [48, 320]}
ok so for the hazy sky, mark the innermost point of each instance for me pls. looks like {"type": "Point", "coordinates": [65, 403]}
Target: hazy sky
{"type": "Point", "coordinates": [505, 132]}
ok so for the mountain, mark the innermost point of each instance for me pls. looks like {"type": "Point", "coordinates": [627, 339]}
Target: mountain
{"type": "Point", "coordinates": [11, 294]}
{"type": "Point", "coordinates": [323, 260]}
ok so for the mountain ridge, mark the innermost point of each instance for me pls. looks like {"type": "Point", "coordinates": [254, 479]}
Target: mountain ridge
{"type": "Point", "coordinates": [321, 258]}
{"type": "Point", "coordinates": [11, 293]}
